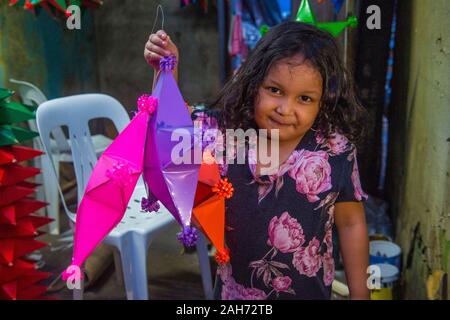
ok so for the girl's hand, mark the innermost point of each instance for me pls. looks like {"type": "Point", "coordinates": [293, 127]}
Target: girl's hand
{"type": "Point", "coordinates": [159, 45]}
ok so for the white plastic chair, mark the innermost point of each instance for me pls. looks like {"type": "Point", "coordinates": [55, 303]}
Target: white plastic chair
{"type": "Point", "coordinates": [60, 150]}
{"type": "Point", "coordinates": [133, 235]}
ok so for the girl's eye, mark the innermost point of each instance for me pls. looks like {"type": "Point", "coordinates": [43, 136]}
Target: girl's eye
{"type": "Point", "coordinates": [274, 90]}
{"type": "Point", "coordinates": [305, 99]}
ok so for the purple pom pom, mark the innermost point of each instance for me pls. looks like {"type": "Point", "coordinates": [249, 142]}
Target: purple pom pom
{"type": "Point", "coordinates": [150, 204]}
{"type": "Point", "coordinates": [168, 63]}
{"type": "Point", "coordinates": [188, 237]}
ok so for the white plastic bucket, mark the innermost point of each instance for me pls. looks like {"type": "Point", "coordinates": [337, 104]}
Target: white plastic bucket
{"type": "Point", "coordinates": [384, 252]}
{"type": "Point", "coordinates": [389, 274]}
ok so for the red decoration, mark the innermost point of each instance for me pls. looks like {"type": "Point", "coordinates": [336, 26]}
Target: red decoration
{"type": "Point", "coordinates": [25, 227]}
{"type": "Point", "coordinates": [13, 154]}
{"type": "Point", "coordinates": [14, 173]}
{"type": "Point", "coordinates": [21, 208]}
{"type": "Point", "coordinates": [14, 248]}
{"type": "Point", "coordinates": [28, 184]}
{"type": "Point", "coordinates": [25, 287]}
{"type": "Point", "coordinates": [20, 268]}
{"type": "Point", "coordinates": [19, 278]}
{"type": "Point", "coordinates": [222, 256]}
{"type": "Point", "coordinates": [224, 188]}
{"type": "Point", "coordinates": [10, 194]}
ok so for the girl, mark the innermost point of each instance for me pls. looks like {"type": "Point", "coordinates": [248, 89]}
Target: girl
{"type": "Point", "coordinates": [279, 227]}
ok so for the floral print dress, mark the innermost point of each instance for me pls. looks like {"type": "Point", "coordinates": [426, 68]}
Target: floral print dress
{"type": "Point", "coordinates": [279, 228]}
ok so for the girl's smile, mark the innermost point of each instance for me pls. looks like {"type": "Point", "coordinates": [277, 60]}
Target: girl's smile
{"type": "Point", "coordinates": [279, 121]}
{"type": "Point", "coordinates": [276, 123]}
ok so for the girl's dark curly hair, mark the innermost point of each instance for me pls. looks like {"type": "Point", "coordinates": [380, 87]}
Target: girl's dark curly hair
{"type": "Point", "coordinates": [340, 109]}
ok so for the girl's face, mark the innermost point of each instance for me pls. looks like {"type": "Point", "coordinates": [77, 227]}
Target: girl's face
{"type": "Point", "coordinates": [289, 98]}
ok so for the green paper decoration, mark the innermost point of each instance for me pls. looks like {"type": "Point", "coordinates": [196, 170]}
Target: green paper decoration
{"type": "Point", "coordinates": [32, 108]}
{"type": "Point", "coordinates": [336, 28]}
{"type": "Point", "coordinates": [264, 29]}
{"type": "Point", "coordinates": [12, 135]}
{"type": "Point", "coordinates": [5, 93]}
{"type": "Point", "coordinates": [13, 112]}
{"type": "Point", "coordinates": [54, 6]}
{"type": "Point", "coordinates": [306, 15]}
{"type": "Point", "coordinates": [58, 4]}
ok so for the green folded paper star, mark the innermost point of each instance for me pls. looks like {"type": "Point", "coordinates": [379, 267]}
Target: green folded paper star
{"type": "Point", "coordinates": [12, 135]}
{"type": "Point", "coordinates": [13, 112]}
{"type": "Point", "coordinates": [5, 93]}
{"type": "Point", "coordinates": [306, 15]}
{"type": "Point", "coordinates": [54, 7]}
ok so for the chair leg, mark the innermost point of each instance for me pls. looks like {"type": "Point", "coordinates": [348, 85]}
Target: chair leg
{"type": "Point", "coordinates": [79, 293]}
{"type": "Point", "coordinates": [118, 268]}
{"type": "Point", "coordinates": [133, 252]}
{"type": "Point", "coordinates": [40, 192]}
{"type": "Point", "coordinates": [51, 194]}
{"type": "Point", "coordinates": [37, 163]}
{"type": "Point", "coordinates": [205, 267]}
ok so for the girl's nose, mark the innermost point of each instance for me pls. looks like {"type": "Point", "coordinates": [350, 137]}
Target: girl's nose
{"type": "Point", "coordinates": [285, 109]}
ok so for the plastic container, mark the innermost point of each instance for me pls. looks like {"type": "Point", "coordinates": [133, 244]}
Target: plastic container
{"type": "Point", "coordinates": [389, 275]}
{"type": "Point", "coordinates": [385, 252]}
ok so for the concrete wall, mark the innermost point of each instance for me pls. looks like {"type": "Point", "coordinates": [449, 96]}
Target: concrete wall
{"type": "Point", "coordinates": [42, 51]}
{"type": "Point", "coordinates": [419, 164]}
{"type": "Point", "coordinates": [106, 55]}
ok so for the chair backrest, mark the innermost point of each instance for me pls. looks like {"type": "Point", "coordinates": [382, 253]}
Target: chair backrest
{"type": "Point", "coordinates": [75, 112]}
{"type": "Point", "coordinates": [30, 94]}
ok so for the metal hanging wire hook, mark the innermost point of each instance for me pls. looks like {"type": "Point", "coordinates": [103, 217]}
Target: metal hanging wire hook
{"type": "Point", "coordinates": [160, 7]}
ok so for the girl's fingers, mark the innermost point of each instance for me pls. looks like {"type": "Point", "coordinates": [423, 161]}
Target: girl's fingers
{"type": "Point", "coordinates": [158, 50]}
{"type": "Point", "coordinates": [152, 56]}
{"type": "Point", "coordinates": [157, 40]}
{"type": "Point", "coordinates": [162, 34]}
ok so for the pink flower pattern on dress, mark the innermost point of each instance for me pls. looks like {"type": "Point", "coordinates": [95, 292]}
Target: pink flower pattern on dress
{"type": "Point", "coordinates": [285, 236]}
{"type": "Point", "coordinates": [359, 193]}
{"type": "Point", "coordinates": [312, 173]}
{"type": "Point", "coordinates": [285, 233]}
{"type": "Point", "coordinates": [235, 291]}
{"type": "Point", "coordinates": [328, 268]}
{"type": "Point", "coordinates": [254, 294]}
{"type": "Point", "coordinates": [282, 284]}
{"type": "Point", "coordinates": [330, 221]}
{"type": "Point", "coordinates": [328, 240]}
{"type": "Point", "coordinates": [307, 260]}
{"type": "Point", "coordinates": [335, 145]}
